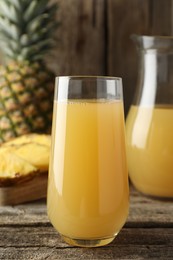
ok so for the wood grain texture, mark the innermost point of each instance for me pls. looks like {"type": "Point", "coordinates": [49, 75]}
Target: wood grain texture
{"type": "Point", "coordinates": [26, 233]}
{"type": "Point", "coordinates": [81, 38]}
{"type": "Point", "coordinates": [29, 190]}
{"type": "Point", "coordinates": [124, 19]}
{"type": "Point", "coordinates": [94, 37]}
{"type": "Point", "coordinates": [160, 17]}
{"type": "Point", "coordinates": [45, 243]}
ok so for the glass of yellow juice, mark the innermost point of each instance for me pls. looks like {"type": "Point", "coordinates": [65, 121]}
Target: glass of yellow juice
{"type": "Point", "coordinates": [88, 192]}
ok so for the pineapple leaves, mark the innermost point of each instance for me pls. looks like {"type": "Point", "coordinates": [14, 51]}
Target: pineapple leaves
{"type": "Point", "coordinates": [4, 8]}
{"type": "Point", "coordinates": [35, 24]}
{"type": "Point", "coordinates": [24, 40]}
{"type": "Point", "coordinates": [27, 40]}
{"type": "Point", "coordinates": [16, 4]}
{"type": "Point", "coordinates": [9, 29]}
{"type": "Point", "coordinates": [13, 45]}
{"type": "Point", "coordinates": [32, 50]}
{"type": "Point", "coordinates": [52, 10]}
{"type": "Point", "coordinates": [9, 11]}
{"type": "Point", "coordinates": [35, 8]}
{"type": "Point", "coordinates": [26, 28]}
{"type": "Point", "coordinates": [7, 50]}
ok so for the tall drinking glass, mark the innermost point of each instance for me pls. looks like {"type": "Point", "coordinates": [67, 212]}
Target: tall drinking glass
{"type": "Point", "coordinates": [88, 182]}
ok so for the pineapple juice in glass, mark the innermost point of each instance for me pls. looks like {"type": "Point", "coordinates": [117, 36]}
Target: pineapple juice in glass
{"type": "Point", "coordinates": [88, 194]}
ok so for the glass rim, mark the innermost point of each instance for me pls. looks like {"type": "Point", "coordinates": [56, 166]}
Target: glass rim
{"type": "Point", "coordinates": [87, 77]}
{"type": "Point", "coordinates": [153, 42]}
{"type": "Point", "coordinates": [89, 87]}
{"type": "Point", "coordinates": [153, 37]}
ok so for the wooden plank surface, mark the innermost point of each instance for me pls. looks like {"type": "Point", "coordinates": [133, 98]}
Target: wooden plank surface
{"type": "Point", "coordinates": [144, 212]}
{"type": "Point", "coordinates": [94, 37]}
{"type": "Point", "coordinates": [124, 19]}
{"type": "Point", "coordinates": [26, 233]}
{"type": "Point", "coordinates": [45, 243]}
{"type": "Point", "coordinates": [80, 48]}
{"type": "Point", "coordinates": [160, 17]}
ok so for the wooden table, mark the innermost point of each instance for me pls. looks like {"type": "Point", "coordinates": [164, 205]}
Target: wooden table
{"type": "Point", "coordinates": [26, 233]}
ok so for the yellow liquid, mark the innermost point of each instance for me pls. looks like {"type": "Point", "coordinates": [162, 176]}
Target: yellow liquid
{"type": "Point", "coordinates": [88, 183]}
{"type": "Point", "coordinates": [150, 149]}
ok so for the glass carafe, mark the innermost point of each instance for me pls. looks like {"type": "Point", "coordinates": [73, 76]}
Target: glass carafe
{"type": "Point", "coordinates": [149, 124]}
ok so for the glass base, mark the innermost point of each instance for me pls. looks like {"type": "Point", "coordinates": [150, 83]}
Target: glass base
{"type": "Point", "coordinates": [88, 242]}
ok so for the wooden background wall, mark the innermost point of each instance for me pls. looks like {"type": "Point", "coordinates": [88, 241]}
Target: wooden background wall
{"type": "Point", "coordinates": [94, 36]}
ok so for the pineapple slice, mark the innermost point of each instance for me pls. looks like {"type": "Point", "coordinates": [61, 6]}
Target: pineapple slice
{"type": "Point", "coordinates": [30, 138]}
{"type": "Point", "coordinates": [34, 153]}
{"type": "Point", "coordinates": [34, 148]}
{"type": "Point", "coordinates": [24, 156]}
{"type": "Point", "coordinates": [14, 169]}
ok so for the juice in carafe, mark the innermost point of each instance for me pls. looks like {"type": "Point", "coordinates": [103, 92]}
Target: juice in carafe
{"type": "Point", "coordinates": [149, 133]}
{"type": "Point", "coordinates": [88, 183]}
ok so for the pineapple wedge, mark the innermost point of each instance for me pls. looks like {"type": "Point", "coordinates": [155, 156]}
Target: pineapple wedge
{"type": "Point", "coordinates": [24, 156]}
{"type": "Point", "coordinates": [14, 169]}
{"type": "Point", "coordinates": [30, 138]}
{"type": "Point", "coordinates": [34, 153]}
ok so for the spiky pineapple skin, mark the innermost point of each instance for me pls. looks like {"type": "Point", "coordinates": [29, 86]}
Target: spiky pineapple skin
{"type": "Point", "coordinates": [26, 99]}
{"type": "Point", "coordinates": [27, 34]}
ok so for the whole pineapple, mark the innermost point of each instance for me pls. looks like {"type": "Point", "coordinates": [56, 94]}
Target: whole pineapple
{"type": "Point", "coordinates": [26, 84]}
